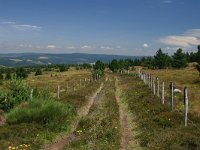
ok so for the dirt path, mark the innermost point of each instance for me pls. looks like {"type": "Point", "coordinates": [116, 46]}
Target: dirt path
{"type": "Point", "coordinates": [65, 139]}
{"type": "Point", "coordinates": [126, 122]}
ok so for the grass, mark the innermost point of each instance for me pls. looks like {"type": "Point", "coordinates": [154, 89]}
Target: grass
{"type": "Point", "coordinates": [100, 129]}
{"type": "Point", "coordinates": [159, 128]}
{"type": "Point", "coordinates": [52, 79]}
{"type": "Point", "coordinates": [182, 77]}
{"type": "Point", "coordinates": [37, 122]}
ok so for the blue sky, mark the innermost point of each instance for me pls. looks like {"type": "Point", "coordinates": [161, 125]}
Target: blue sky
{"type": "Point", "coordinates": [128, 27]}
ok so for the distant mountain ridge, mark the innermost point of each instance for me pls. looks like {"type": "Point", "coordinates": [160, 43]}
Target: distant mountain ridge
{"type": "Point", "coordinates": [30, 59]}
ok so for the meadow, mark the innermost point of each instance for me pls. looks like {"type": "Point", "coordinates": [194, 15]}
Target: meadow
{"type": "Point", "coordinates": [118, 111]}
{"type": "Point", "coordinates": [39, 121]}
{"type": "Point", "coordinates": [186, 77]}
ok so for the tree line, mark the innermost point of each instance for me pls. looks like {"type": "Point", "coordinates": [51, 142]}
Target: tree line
{"type": "Point", "coordinates": [160, 60]}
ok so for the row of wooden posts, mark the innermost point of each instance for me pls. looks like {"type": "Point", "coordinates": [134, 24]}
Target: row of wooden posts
{"type": "Point", "coordinates": [152, 82]}
{"type": "Point", "coordinates": [82, 83]}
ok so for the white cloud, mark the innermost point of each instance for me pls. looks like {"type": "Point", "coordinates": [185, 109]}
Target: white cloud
{"type": "Point", "coordinates": [183, 41]}
{"type": "Point", "coordinates": [145, 45]}
{"type": "Point", "coordinates": [71, 47]}
{"type": "Point", "coordinates": [22, 27]}
{"type": "Point", "coordinates": [187, 39]}
{"type": "Point", "coordinates": [86, 47]}
{"type": "Point", "coordinates": [51, 46]}
{"type": "Point", "coordinates": [106, 48]}
{"type": "Point", "coordinates": [26, 27]}
{"type": "Point", "coordinates": [193, 32]}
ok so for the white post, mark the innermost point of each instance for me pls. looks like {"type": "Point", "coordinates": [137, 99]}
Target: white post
{"type": "Point", "coordinates": [151, 82]}
{"type": "Point", "coordinates": [149, 78]}
{"type": "Point", "coordinates": [186, 105]}
{"type": "Point", "coordinates": [58, 91]}
{"type": "Point", "coordinates": [154, 88]}
{"type": "Point", "coordinates": [172, 95]}
{"type": "Point", "coordinates": [158, 88]}
{"type": "Point", "coordinates": [31, 95]}
{"type": "Point", "coordinates": [163, 92]}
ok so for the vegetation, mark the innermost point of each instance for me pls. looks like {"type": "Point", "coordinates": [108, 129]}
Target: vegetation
{"type": "Point", "coordinates": [100, 128]}
{"type": "Point", "coordinates": [161, 60]}
{"type": "Point", "coordinates": [38, 72]}
{"type": "Point", "coordinates": [21, 73]}
{"type": "Point", "coordinates": [33, 123]}
{"type": "Point", "coordinates": [98, 69]}
{"type": "Point", "coordinates": [159, 128]}
{"type": "Point", "coordinates": [18, 91]}
{"type": "Point", "coordinates": [179, 59]}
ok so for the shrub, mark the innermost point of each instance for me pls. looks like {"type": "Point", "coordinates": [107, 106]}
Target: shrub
{"type": "Point", "coordinates": [18, 91]}
{"type": "Point", "coordinates": [38, 72]}
{"type": "Point", "coordinates": [44, 112]}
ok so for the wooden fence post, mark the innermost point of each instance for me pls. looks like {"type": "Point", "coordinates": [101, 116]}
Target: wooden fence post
{"type": "Point", "coordinates": [158, 87]}
{"type": "Point", "coordinates": [186, 105]}
{"type": "Point", "coordinates": [154, 87]}
{"type": "Point", "coordinates": [31, 95]}
{"type": "Point", "coordinates": [67, 87]}
{"type": "Point", "coordinates": [149, 78]}
{"type": "Point", "coordinates": [172, 95]}
{"type": "Point", "coordinates": [58, 91]}
{"type": "Point", "coordinates": [139, 72]}
{"type": "Point", "coordinates": [163, 92]}
{"type": "Point", "coordinates": [151, 82]}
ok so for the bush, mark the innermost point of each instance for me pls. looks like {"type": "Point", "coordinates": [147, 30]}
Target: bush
{"type": "Point", "coordinates": [18, 91]}
{"type": "Point", "coordinates": [44, 112]}
{"type": "Point", "coordinates": [38, 72]}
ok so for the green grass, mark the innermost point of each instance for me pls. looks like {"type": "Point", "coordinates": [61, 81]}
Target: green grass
{"type": "Point", "coordinates": [160, 128]}
{"type": "Point", "coordinates": [45, 112]}
{"type": "Point", "coordinates": [35, 123]}
{"type": "Point", "coordinates": [100, 129]}
{"type": "Point", "coordinates": [39, 121]}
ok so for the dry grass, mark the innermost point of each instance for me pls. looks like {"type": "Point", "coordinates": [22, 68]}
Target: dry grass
{"type": "Point", "coordinates": [188, 77]}
{"type": "Point", "coordinates": [52, 79]}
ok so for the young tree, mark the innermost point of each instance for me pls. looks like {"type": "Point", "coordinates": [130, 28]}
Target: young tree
{"type": "Point", "coordinates": [99, 65]}
{"type": "Point", "coordinates": [62, 67]}
{"type": "Point", "coordinates": [8, 75]}
{"type": "Point", "coordinates": [198, 55]}
{"type": "Point", "coordinates": [1, 76]}
{"type": "Point", "coordinates": [198, 59]}
{"type": "Point", "coordinates": [114, 66]}
{"type": "Point", "coordinates": [179, 59]}
{"type": "Point", "coordinates": [38, 72]}
{"type": "Point", "coordinates": [162, 60]}
{"type": "Point", "coordinates": [148, 62]}
{"type": "Point", "coordinates": [21, 73]}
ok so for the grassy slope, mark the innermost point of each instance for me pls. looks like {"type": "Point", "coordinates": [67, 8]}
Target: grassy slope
{"type": "Point", "coordinates": [160, 128]}
{"type": "Point", "coordinates": [100, 129]}
{"type": "Point", "coordinates": [183, 77]}
{"type": "Point", "coordinates": [36, 134]}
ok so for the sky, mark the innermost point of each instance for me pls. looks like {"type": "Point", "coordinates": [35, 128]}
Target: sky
{"type": "Point", "coordinates": [122, 27]}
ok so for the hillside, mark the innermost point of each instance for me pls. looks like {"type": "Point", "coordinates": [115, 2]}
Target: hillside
{"type": "Point", "coordinates": [29, 59]}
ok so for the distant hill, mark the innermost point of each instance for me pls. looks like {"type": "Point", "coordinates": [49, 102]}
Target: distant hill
{"type": "Point", "coordinates": [30, 59]}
